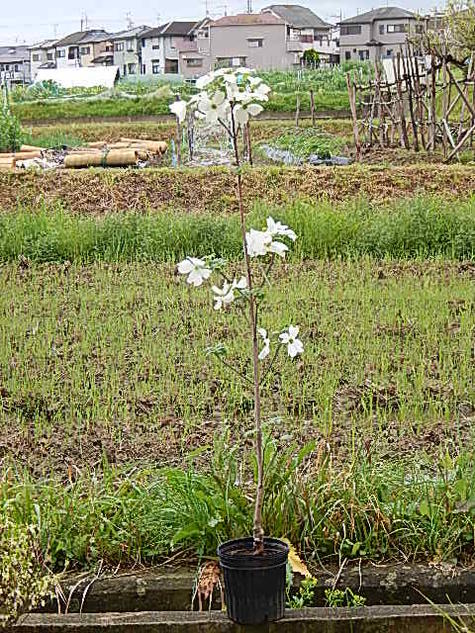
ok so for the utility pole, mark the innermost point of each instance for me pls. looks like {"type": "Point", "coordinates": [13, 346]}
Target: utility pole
{"type": "Point", "coordinates": [129, 21]}
{"type": "Point", "coordinates": [84, 21]}
{"type": "Point", "coordinates": [249, 6]}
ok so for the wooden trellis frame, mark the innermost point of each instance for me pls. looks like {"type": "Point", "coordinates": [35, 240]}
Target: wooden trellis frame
{"type": "Point", "coordinates": [415, 108]}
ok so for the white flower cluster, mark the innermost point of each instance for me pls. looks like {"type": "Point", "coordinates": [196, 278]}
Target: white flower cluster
{"type": "Point", "coordinates": [226, 295]}
{"type": "Point", "coordinates": [288, 337]}
{"type": "Point", "coordinates": [224, 93]}
{"type": "Point", "coordinates": [260, 243]}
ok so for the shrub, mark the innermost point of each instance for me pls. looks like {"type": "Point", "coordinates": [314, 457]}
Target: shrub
{"type": "Point", "coordinates": [11, 135]}
{"type": "Point", "coordinates": [23, 583]}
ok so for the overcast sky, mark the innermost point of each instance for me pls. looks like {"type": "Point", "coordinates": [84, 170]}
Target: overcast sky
{"type": "Point", "coordinates": [32, 20]}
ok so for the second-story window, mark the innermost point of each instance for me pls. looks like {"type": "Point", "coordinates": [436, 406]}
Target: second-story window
{"type": "Point", "coordinates": [255, 42]}
{"type": "Point", "coordinates": [350, 29]}
{"type": "Point", "coordinates": [130, 46]}
{"type": "Point", "coordinates": [119, 46]}
{"type": "Point", "coordinates": [397, 28]}
{"type": "Point", "coordinates": [60, 52]}
{"type": "Point", "coordinates": [35, 57]}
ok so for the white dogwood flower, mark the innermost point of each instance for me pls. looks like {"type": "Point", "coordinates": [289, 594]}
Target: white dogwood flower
{"type": "Point", "coordinates": [226, 295]}
{"type": "Point", "coordinates": [213, 108]}
{"type": "Point", "coordinates": [278, 248]}
{"type": "Point", "coordinates": [258, 242]}
{"type": "Point", "coordinates": [196, 269]}
{"type": "Point", "coordinates": [241, 284]}
{"type": "Point", "coordinates": [179, 110]}
{"type": "Point", "coordinates": [277, 228]}
{"type": "Point", "coordinates": [243, 111]}
{"type": "Point", "coordinates": [265, 351]}
{"type": "Point", "coordinates": [223, 296]}
{"type": "Point", "coordinates": [294, 344]}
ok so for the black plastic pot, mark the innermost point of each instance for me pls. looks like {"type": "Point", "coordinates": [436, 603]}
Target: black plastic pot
{"type": "Point", "coordinates": [254, 585]}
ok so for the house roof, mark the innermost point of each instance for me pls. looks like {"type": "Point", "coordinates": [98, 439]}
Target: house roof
{"type": "Point", "coordinates": [10, 54]}
{"type": "Point", "coordinates": [83, 37]}
{"type": "Point", "coordinates": [297, 16]}
{"type": "Point", "coordinates": [42, 45]}
{"type": "Point", "coordinates": [104, 57]}
{"type": "Point", "coordinates": [179, 28]}
{"type": "Point", "coordinates": [383, 13]}
{"type": "Point", "coordinates": [95, 36]}
{"type": "Point", "coordinates": [130, 33]}
{"type": "Point", "coordinates": [248, 19]}
{"type": "Point", "coordinates": [172, 28]}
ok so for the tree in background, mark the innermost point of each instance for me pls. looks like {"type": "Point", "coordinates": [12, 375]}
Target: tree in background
{"type": "Point", "coordinates": [311, 58]}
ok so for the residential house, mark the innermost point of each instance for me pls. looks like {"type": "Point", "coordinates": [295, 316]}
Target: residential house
{"type": "Point", "coordinates": [194, 57]}
{"type": "Point", "coordinates": [127, 53]}
{"type": "Point", "coordinates": [84, 48]}
{"type": "Point", "coordinates": [42, 56]}
{"type": "Point", "coordinates": [257, 41]}
{"type": "Point", "coordinates": [161, 47]}
{"type": "Point", "coordinates": [377, 34]}
{"type": "Point", "coordinates": [15, 65]}
{"type": "Point", "coordinates": [306, 30]}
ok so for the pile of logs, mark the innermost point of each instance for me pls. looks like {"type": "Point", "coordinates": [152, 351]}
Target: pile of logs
{"type": "Point", "coordinates": [27, 152]}
{"type": "Point", "coordinates": [128, 152]}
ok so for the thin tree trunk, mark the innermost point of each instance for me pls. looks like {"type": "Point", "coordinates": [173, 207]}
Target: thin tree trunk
{"type": "Point", "coordinates": [258, 531]}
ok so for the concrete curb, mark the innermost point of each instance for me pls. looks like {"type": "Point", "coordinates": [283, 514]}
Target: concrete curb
{"type": "Point", "coordinates": [387, 619]}
{"type": "Point", "coordinates": [153, 590]}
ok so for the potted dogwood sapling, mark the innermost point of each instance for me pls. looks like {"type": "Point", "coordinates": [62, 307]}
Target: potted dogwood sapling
{"type": "Point", "coordinates": [254, 568]}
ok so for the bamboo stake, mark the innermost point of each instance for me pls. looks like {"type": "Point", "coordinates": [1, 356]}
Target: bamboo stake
{"type": "Point", "coordinates": [408, 79]}
{"type": "Point", "coordinates": [400, 101]}
{"type": "Point", "coordinates": [312, 107]}
{"type": "Point", "coordinates": [432, 104]}
{"type": "Point", "coordinates": [352, 98]}
{"type": "Point", "coordinates": [446, 136]}
{"type": "Point", "coordinates": [378, 96]}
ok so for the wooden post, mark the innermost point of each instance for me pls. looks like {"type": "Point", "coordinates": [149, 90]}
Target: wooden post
{"type": "Point", "coordinates": [462, 110]}
{"type": "Point", "coordinates": [312, 107]}
{"type": "Point", "coordinates": [400, 101]}
{"type": "Point", "coordinates": [433, 104]}
{"type": "Point", "coordinates": [352, 99]}
{"type": "Point", "coordinates": [408, 79]}
{"type": "Point", "coordinates": [297, 111]}
{"type": "Point", "coordinates": [446, 136]}
{"type": "Point", "coordinates": [418, 92]}
{"type": "Point", "coordinates": [379, 109]}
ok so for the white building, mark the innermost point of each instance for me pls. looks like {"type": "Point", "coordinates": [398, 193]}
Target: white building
{"type": "Point", "coordinates": [127, 53]}
{"type": "Point", "coordinates": [15, 65]}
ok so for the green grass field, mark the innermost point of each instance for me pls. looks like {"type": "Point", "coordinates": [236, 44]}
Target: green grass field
{"type": "Point", "coordinates": [107, 363]}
